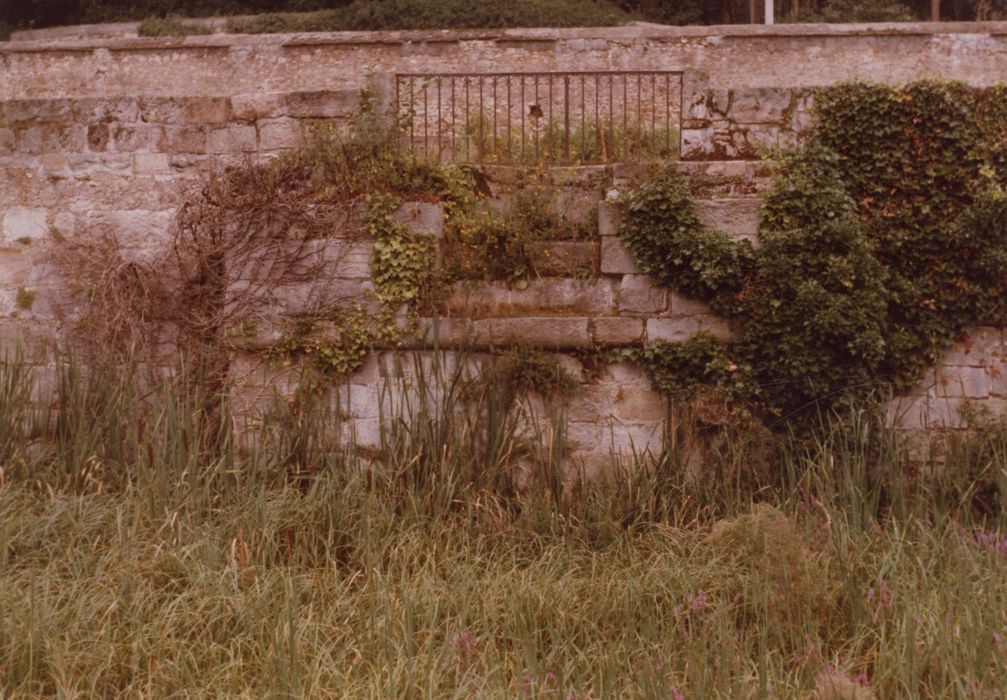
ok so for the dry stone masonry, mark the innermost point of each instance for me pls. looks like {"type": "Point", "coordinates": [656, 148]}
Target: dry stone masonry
{"type": "Point", "coordinates": [106, 134]}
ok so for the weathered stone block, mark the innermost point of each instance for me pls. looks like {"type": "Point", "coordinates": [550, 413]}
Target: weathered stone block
{"type": "Point", "coordinates": [564, 258]}
{"type": "Point", "coordinates": [206, 110]}
{"type": "Point", "coordinates": [547, 332]}
{"type": "Point", "coordinates": [761, 105]}
{"type": "Point", "coordinates": [309, 297]}
{"type": "Point", "coordinates": [672, 330]}
{"type": "Point", "coordinates": [128, 139]}
{"type": "Point", "coordinates": [185, 139]}
{"type": "Point", "coordinates": [322, 104]}
{"type": "Point", "coordinates": [99, 137]}
{"type": "Point", "coordinates": [161, 110]}
{"type": "Point", "coordinates": [998, 379]}
{"type": "Point", "coordinates": [626, 373]}
{"type": "Point", "coordinates": [65, 224]}
{"type": "Point", "coordinates": [617, 331]}
{"type": "Point", "coordinates": [84, 165]}
{"type": "Point", "coordinates": [35, 111]}
{"type": "Point", "coordinates": [47, 138]}
{"type": "Point", "coordinates": [639, 294]}
{"type": "Point", "coordinates": [591, 403]}
{"type": "Point", "coordinates": [608, 219]}
{"type": "Point", "coordinates": [738, 217]}
{"type": "Point", "coordinates": [707, 105]}
{"type": "Point", "coordinates": [441, 332]}
{"type": "Point", "coordinates": [24, 222]}
{"type": "Point", "coordinates": [279, 134]}
{"type": "Point", "coordinates": [983, 346]}
{"type": "Point", "coordinates": [638, 405]}
{"type": "Point", "coordinates": [962, 382]}
{"type": "Point", "coordinates": [8, 141]}
{"type": "Point", "coordinates": [683, 305]}
{"type": "Point", "coordinates": [577, 206]}
{"type": "Point", "coordinates": [254, 106]}
{"type": "Point", "coordinates": [151, 164]}
{"type": "Point", "coordinates": [55, 165]}
{"type": "Point", "coordinates": [616, 259]}
{"type": "Point", "coordinates": [135, 229]}
{"type": "Point", "coordinates": [232, 139]}
{"type": "Point", "coordinates": [362, 432]}
{"type": "Point", "coordinates": [759, 137]}
{"type": "Point", "coordinates": [422, 217]}
{"type": "Point", "coordinates": [635, 440]}
{"type": "Point", "coordinates": [583, 436]}
{"type": "Point", "coordinates": [537, 297]}
{"type": "Point", "coordinates": [720, 141]}
{"type": "Point", "coordinates": [116, 109]}
{"type": "Point", "coordinates": [926, 413]}
{"type": "Point", "coordinates": [15, 268]}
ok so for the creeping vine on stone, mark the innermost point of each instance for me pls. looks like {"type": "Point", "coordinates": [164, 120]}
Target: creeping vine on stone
{"type": "Point", "coordinates": [882, 240]}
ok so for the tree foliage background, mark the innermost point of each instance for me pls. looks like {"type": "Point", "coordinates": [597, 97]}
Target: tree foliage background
{"type": "Point", "coordinates": [41, 13]}
{"type": "Point", "coordinates": [51, 12]}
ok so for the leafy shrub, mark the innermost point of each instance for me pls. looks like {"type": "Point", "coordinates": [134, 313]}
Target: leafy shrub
{"type": "Point", "coordinates": [771, 555]}
{"type": "Point", "coordinates": [170, 26]}
{"type": "Point", "coordinates": [489, 244]}
{"type": "Point", "coordinates": [363, 15]}
{"type": "Point", "coordinates": [856, 11]}
{"type": "Point", "coordinates": [883, 239]}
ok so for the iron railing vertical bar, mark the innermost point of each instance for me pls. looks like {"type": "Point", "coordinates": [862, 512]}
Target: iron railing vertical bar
{"type": "Point", "coordinates": [566, 116]}
{"type": "Point", "coordinates": [653, 111]}
{"type": "Point", "coordinates": [426, 123]}
{"type": "Point", "coordinates": [482, 115]}
{"type": "Point", "coordinates": [667, 112]}
{"type": "Point", "coordinates": [611, 113]}
{"type": "Point", "coordinates": [535, 130]}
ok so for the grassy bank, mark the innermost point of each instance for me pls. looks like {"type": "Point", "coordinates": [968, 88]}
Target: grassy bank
{"type": "Point", "coordinates": [147, 552]}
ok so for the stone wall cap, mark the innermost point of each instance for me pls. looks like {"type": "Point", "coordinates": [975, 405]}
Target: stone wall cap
{"type": "Point", "coordinates": [63, 38]}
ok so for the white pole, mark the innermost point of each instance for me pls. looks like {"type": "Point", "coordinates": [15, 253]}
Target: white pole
{"type": "Point", "coordinates": [769, 11]}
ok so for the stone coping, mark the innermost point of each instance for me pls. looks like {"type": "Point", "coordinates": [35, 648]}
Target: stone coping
{"type": "Point", "coordinates": [96, 36]}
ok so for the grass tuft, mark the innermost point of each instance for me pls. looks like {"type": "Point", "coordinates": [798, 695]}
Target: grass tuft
{"type": "Point", "coordinates": [151, 548]}
{"type": "Point", "coordinates": [170, 26]}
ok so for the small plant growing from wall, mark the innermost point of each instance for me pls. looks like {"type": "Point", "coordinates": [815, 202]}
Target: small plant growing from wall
{"type": "Point", "coordinates": [25, 299]}
{"type": "Point", "coordinates": [882, 240]}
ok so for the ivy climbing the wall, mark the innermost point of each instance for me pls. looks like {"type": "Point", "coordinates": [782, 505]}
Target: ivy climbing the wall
{"type": "Point", "coordinates": [882, 240]}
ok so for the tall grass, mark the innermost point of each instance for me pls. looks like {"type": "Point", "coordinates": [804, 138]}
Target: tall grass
{"type": "Point", "coordinates": [144, 552]}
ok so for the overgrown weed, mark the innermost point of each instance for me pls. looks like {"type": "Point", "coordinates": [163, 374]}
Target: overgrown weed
{"type": "Point", "coordinates": [139, 560]}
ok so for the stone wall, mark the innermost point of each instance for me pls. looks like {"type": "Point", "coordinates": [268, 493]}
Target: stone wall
{"type": "Point", "coordinates": [110, 134]}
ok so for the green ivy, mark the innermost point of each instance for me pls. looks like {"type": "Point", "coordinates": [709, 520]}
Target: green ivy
{"type": "Point", "coordinates": [338, 352]}
{"type": "Point", "coordinates": [681, 369]}
{"type": "Point", "coordinates": [883, 239]}
{"type": "Point", "coordinates": [402, 260]}
{"type": "Point", "coordinates": [668, 240]}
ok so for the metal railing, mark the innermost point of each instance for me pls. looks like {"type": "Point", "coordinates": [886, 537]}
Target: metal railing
{"type": "Point", "coordinates": [526, 118]}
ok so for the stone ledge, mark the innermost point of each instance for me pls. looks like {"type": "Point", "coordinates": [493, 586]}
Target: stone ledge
{"type": "Point", "coordinates": [617, 331]}
{"type": "Point", "coordinates": [539, 297]}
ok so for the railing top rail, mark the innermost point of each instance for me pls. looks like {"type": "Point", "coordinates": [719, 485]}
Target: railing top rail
{"type": "Point", "coordinates": [531, 74]}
